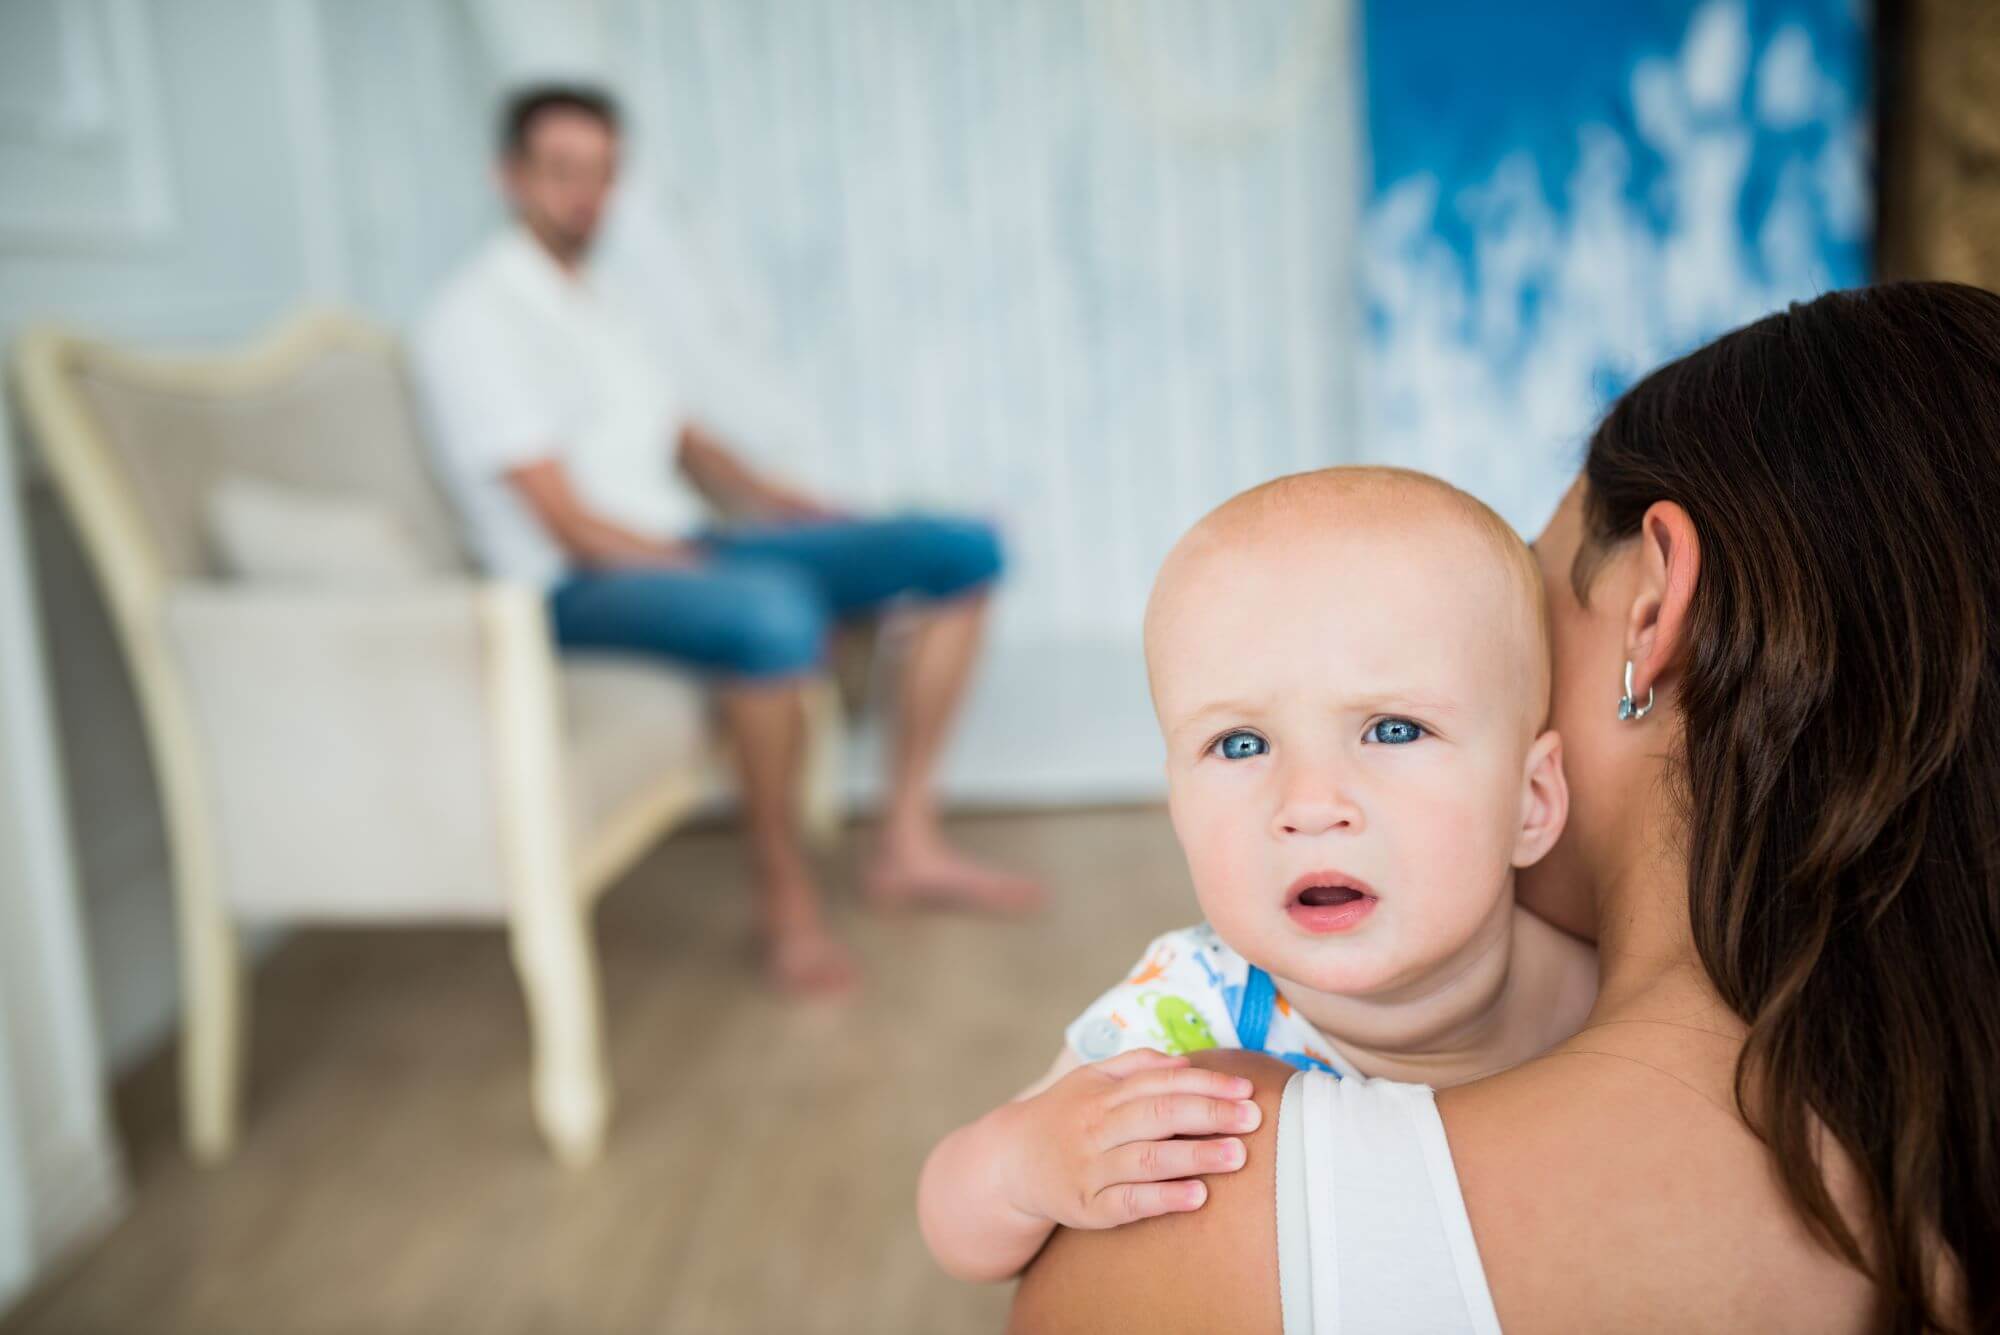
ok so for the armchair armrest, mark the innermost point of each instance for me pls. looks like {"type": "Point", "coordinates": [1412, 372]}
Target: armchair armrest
{"type": "Point", "coordinates": [351, 744]}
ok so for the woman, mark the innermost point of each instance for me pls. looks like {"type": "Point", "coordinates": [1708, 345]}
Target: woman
{"type": "Point", "coordinates": [1775, 597]}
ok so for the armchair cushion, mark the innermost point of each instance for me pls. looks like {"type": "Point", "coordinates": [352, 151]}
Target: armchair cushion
{"type": "Point", "coordinates": [347, 742]}
{"type": "Point", "coordinates": [350, 743]}
{"type": "Point", "coordinates": [272, 531]}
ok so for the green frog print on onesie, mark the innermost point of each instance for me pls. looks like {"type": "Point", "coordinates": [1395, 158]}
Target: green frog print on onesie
{"type": "Point", "coordinates": [1181, 1025]}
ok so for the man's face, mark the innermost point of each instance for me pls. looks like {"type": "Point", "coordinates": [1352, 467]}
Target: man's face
{"type": "Point", "coordinates": [558, 183]}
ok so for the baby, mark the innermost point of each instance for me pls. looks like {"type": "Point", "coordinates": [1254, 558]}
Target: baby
{"type": "Point", "coordinates": [1351, 674]}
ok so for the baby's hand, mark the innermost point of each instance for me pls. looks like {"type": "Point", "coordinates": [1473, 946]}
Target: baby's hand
{"type": "Point", "coordinates": [1101, 1146]}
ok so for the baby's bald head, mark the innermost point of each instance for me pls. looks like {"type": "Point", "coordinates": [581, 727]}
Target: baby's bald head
{"type": "Point", "coordinates": [1351, 675]}
{"type": "Point", "coordinates": [1305, 532]}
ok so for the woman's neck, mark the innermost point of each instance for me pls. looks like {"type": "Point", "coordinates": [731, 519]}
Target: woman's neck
{"type": "Point", "coordinates": [1648, 968]}
{"type": "Point", "coordinates": [1497, 1003]}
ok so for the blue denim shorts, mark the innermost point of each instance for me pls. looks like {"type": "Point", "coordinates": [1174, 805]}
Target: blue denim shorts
{"type": "Point", "coordinates": [765, 599]}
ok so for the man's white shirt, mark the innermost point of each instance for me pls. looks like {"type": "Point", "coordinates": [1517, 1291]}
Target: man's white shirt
{"type": "Point", "coordinates": [518, 361]}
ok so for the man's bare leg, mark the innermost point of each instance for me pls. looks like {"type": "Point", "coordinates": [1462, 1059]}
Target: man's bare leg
{"type": "Point", "coordinates": [915, 865]}
{"type": "Point", "coordinates": [767, 726]}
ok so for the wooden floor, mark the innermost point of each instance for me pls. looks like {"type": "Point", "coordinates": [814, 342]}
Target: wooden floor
{"type": "Point", "coordinates": [762, 1159]}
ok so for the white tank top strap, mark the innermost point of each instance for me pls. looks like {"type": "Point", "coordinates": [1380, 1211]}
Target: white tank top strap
{"type": "Point", "coordinates": [1372, 1231]}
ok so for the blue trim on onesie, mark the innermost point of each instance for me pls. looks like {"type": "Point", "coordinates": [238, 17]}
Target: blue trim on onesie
{"type": "Point", "coordinates": [1254, 1009]}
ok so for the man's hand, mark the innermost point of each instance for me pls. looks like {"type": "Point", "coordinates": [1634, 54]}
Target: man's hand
{"type": "Point", "coordinates": [1104, 1145]}
{"type": "Point", "coordinates": [793, 507]}
{"type": "Point", "coordinates": [675, 555]}
{"type": "Point", "coordinates": [589, 538]}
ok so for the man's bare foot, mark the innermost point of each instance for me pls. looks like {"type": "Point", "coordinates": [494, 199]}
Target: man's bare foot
{"type": "Point", "coordinates": [809, 961]}
{"type": "Point", "coordinates": [941, 877]}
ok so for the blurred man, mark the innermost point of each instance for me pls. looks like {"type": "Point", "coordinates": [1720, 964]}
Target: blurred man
{"type": "Point", "coordinates": [577, 469]}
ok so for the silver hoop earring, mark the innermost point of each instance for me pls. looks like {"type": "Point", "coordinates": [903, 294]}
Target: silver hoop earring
{"type": "Point", "coordinates": [1628, 710]}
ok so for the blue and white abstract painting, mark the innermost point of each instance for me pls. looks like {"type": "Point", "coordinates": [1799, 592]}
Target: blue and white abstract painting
{"type": "Point", "coordinates": [1563, 196]}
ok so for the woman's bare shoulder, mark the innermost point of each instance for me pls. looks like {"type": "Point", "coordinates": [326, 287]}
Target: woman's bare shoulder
{"type": "Point", "coordinates": [1612, 1184]}
{"type": "Point", "coordinates": [1215, 1268]}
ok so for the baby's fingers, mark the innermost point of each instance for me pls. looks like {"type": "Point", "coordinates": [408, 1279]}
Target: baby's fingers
{"type": "Point", "coordinates": [1131, 1063]}
{"type": "Point", "coordinates": [1181, 1080]}
{"type": "Point", "coordinates": [1164, 1116]}
{"type": "Point", "coordinates": [1142, 1200]}
{"type": "Point", "coordinates": [1166, 1160]}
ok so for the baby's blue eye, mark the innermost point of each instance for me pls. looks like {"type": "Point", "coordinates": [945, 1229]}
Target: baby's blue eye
{"type": "Point", "coordinates": [1396, 731]}
{"type": "Point", "coordinates": [1240, 746]}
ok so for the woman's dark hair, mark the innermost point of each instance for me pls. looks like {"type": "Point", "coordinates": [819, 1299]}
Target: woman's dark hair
{"type": "Point", "coordinates": [1840, 781]}
{"type": "Point", "coordinates": [527, 105]}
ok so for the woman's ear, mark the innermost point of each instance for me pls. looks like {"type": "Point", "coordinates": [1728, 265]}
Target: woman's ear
{"type": "Point", "coordinates": [1544, 801]}
{"type": "Point", "coordinates": [1669, 563]}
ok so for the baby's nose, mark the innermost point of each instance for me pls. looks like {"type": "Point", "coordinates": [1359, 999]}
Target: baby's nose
{"type": "Point", "coordinates": [1322, 812]}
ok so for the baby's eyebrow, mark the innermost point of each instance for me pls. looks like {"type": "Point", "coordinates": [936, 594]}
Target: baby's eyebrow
{"type": "Point", "coordinates": [1410, 704]}
{"type": "Point", "coordinates": [1210, 713]}
{"type": "Point", "coordinates": [1231, 709]}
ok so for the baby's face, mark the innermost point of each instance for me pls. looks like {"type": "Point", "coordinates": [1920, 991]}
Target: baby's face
{"type": "Point", "coordinates": [1349, 724]}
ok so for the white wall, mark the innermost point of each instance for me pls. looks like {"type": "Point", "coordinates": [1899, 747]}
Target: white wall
{"type": "Point", "coordinates": [171, 212]}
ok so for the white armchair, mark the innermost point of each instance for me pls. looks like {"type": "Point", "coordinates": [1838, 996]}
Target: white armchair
{"type": "Point", "coordinates": [325, 753]}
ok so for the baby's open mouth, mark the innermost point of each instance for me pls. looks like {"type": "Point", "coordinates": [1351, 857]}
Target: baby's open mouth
{"type": "Point", "coordinates": [1323, 902]}
{"type": "Point", "coordinates": [1316, 896]}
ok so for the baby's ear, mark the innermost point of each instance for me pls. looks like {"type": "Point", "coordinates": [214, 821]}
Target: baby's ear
{"type": "Point", "coordinates": [1544, 800]}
